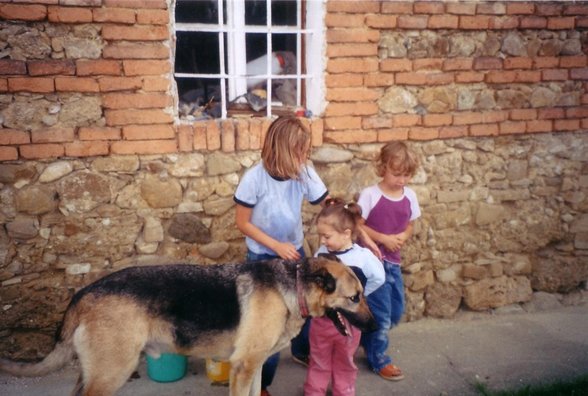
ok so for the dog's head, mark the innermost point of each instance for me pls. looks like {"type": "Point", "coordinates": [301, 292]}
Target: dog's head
{"type": "Point", "coordinates": [336, 291]}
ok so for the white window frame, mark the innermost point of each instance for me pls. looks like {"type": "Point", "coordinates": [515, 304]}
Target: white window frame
{"type": "Point", "coordinates": [235, 71]}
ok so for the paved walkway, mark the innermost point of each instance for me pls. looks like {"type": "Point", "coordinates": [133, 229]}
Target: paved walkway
{"type": "Point", "coordinates": [439, 357]}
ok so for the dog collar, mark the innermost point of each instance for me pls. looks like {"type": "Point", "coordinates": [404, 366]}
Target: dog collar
{"type": "Point", "coordinates": [300, 292]}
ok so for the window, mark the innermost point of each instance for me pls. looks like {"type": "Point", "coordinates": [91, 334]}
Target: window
{"type": "Point", "coordinates": [232, 55]}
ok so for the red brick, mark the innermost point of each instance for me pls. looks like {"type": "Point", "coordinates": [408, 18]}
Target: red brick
{"type": "Point", "coordinates": [153, 17]}
{"type": "Point", "coordinates": [352, 7]}
{"type": "Point", "coordinates": [561, 23]}
{"type": "Point", "coordinates": [53, 135]}
{"type": "Point", "coordinates": [135, 33]}
{"type": "Point", "coordinates": [76, 84]}
{"type": "Point", "coordinates": [443, 22]}
{"type": "Point", "coordinates": [566, 125]}
{"type": "Point", "coordinates": [352, 94]}
{"type": "Point", "coordinates": [33, 84]}
{"type": "Point", "coordinates": [469, 77]}
{"type": "Point", "coordinates": [148, 132]}
{"type": "Point", "coordinates": [539, 126]}
{"type": "Point", "coordinates": [3, 85]}
{"type": "Point", "coordinates": [449, 132]}
{"type": "Point", "coordinates": [523, 114]}
{"type": "Point", "coordinates": [69, 14]}
{"type": "Point", "coordinates": [156, 84]}
{"type": "Point", "coordinates": [478, 22]}
{"type": "Point", "coordinates": [426, 7]}
{"type": "Point", "coordinates": [576, 74]}
{"type": "Point", "coordinates": [529, 76]}
{"type": "Point", "coordinates": [382, 21]}
{"type": "Point", "coordinates": [576, 9]}
{"type": "Point", "coordinates": [345, 122]}
{"type": "Point", "coordinates": [549, 9]}
{"type": "Point", "coordinates": [213, 135]}
{"type": "Point", "coordinates": [492, 8]}
{"type": "Point", "coordinates": [495, 116]}
{"type": "Point", "coordinates": [503, 22]}
{"type": "Point", "coordinates": [500, 77]}
{"type": "Point", "coordinates": [344, 80]}
{"type": "Point", "coordinates": [461, 8]}
{"type": "Point", "coordinates": [430, 120]}
{"type": "Point", "coordinates": [545, 62]}
{"type": "Point", "coordinates": [413, 22]}
{"type": "Point", "coordinates": [520, 8]}
{"type": "Point", "coordinates": [242, 135]}
{"type": "Point", "coordinates": [484, 130]}
{"type": "Point", "coordinates": [487, 63]}
{"type": "Point", "coordinates": [420, 133]}
{"type": "Point", "coordinates": [98, 67]}
{"type": "Point", "coordinates": [228, 136]}
{"type": "Point", "coordinates": [386, 135]}
{"type": "Point", "coordinates": [351, 108]}
{"type": "Point", "coordinates": [533, 22]}
{"type": "Point", "coordinates": [350, 136]}
{"type": "Point", "coordinates": [84, 3]}
{"type": "Point", "coordinates": [13, 136]}
{"type": "Point", "coordinates": [581, 22]}
{"type": "Point", "coordinates": [150, 4]}
{"type": "Point", "coordinates": [550, 113]}
{"type": "Point", "coordinates": [334, 20]}
{"type": "Point", "coordinates": [406, 120]}
{"type": "Point", "coordinates": [144, 147]}
{"type": "Point", "coordinates": [39, 151]}
{"type": "Point", "coordinates": [411, 78]}
{"type": "Point", "coordinates": [23, 12]}
{"type": "Point", "coordinates": [352, 35]}
{"type": "Point", "coordinates": [573, 61]}
{"type": "Point", "coordinates": [349, 50]}
{"type": "Point", "coordinates": [452, 64]}
{"type": "Point", "coordinates": [512, 127]}
{"type": "Point", "coordinates": [99, 133]}
{"type": "Point", "coordinates": [440, 78]}
{"type": "Point", "coordinates": [12, 67]}
{"type": "Point", "coordinates": [46, 67]}
{"type": "Point", "coordinates": [395, 65]}
{"type": "Point", "coordinates": [200, 137]}
{"type": "Point", "coordinates": [427, 64]}
{"type": "Point", "coordinates": [352, 65]}
{"type": "Point", "coordinates": [467, 118]}
{"type": "Point", "coordinates": [185, 137]}
{"type": "Point", "coordinates": [129, 117]}
{"type": "Point", "coordinates": [8, 154]}
{"type": "Point", "coordinates": [110, 84]}
{"type": "Point", "coordinates": [114, 15]}
{"type": "Point", "coordinates": [379, 80]}
{"type": "Point", "coordinates": [136, 101]}
{"type": "Point", "coordinates": [125, 50]}
{"type": "Point", "coordinates": [554, 75]}
{"type": "Point", "coordinates": [376, 122]}
{"type": "Point", "coordinates": [577, 112]}
{"type": "Point", "coordinates": [518, 63]}
{"type": "Point", "coordinates": [86, 149]}
{"type": "Point", "coordinates": [393, 7]}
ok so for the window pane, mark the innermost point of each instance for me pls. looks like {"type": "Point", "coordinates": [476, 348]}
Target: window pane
{"type": "Point", "coordinates": [198, 11]}
{"type": "Point", "coordinates": [199, 97]}
{"type": "Point", "coordinates": [197, 53]}
{"type": "Point", "coordinates": [255, 12]}
{"type": "Point", "coordinates": [284, 13]}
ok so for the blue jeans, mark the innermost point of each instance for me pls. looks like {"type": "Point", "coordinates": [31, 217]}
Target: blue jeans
{"type": "Point", "coordinates": [299, 345]}
{"type": "Point", "coordinates": [387, 306]}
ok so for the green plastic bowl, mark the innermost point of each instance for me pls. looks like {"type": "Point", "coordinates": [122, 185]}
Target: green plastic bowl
{"type": "Point", "coordinates": [168, 368]}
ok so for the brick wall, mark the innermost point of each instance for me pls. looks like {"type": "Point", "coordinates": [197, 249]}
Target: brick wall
{"type": "Point", "coordinates": [132, 77]}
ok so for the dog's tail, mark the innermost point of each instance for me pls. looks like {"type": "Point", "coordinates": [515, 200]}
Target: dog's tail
{"type": "Point", "coordinates": [56, 359]}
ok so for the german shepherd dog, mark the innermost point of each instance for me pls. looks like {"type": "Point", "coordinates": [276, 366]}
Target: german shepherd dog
{"type": "Point", "coordinates": [242, 313]}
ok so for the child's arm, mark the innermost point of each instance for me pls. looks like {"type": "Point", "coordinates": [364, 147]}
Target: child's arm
{"type": "Point", "coordinates": [392, 242]}
{"type": "Point", "coordinates": [287, 251]}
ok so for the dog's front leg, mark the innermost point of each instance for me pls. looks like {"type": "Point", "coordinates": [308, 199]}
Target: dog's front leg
{"type": "Point", "coordinates": [256, 385]}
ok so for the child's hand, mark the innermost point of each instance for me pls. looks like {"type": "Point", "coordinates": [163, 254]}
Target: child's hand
{"type": "Point", "coordinates": [394, 242]}
{"type": "Point", "coordinates": [287, 251]}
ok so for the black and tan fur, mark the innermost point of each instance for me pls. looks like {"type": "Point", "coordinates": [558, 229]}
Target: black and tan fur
{"type": "Point", "coordinates": [238, 312]}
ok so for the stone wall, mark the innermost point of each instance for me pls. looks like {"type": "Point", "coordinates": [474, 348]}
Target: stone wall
{"type": "Point", "coordinates": [98, 172]}
{"type": "Point", "coordinates": [502, 217]}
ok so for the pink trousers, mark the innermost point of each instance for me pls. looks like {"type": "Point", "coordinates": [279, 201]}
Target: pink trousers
{"type": "Point", "coordinates": [331, 359]}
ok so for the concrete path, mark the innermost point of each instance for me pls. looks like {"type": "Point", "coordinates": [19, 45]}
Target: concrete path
{"type": "Point", "coordinates": [438, 357]}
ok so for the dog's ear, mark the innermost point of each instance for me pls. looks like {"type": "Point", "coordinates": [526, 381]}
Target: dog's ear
{"type": "Point", "coordinates": [324, 280]}
{"type": "Point", "coordinates": [329, 256]}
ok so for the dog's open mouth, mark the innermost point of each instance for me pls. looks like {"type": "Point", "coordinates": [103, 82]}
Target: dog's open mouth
{"type": "Point", "coordinates": [337, 319]}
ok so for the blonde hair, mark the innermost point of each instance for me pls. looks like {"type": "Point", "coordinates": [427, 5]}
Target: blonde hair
{"type": "Point", "coordinates": [398, 158]}
{"type": "Point", "coordinates": [340, 215]}
{"type": "Point", "coordinates": [286, 142]}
